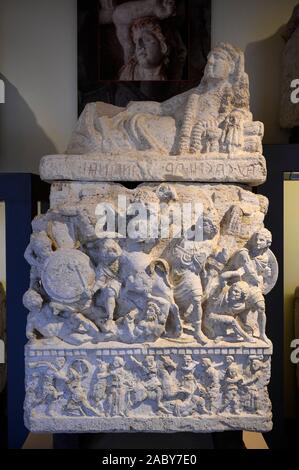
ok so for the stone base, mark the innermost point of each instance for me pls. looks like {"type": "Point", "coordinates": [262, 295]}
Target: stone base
{"type": "Point", "coordinates": [147, 388]}
{"type": "Point", "coordinates": [243, 168]}
{"type": "Point", "coordinates": [149, 425]}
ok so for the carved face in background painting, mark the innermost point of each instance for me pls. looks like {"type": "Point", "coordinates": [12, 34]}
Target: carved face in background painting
{"type": "Point", "coordinates": [149, 50]}
{"type": "Point", "coordinates": [165, 8]}
{"type": "Point", "coordinates": [218, 67]}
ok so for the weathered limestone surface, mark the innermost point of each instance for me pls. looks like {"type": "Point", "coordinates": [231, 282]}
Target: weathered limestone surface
{"type": "Point", "coordinates": [146, 305]}
{"type": "Point", "coordinates": [247, 170]}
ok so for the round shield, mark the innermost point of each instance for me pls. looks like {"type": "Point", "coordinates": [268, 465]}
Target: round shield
{"type": "Point", "coordinates": [66, 275]}
{"type": "Point", "coordinates": [270, 281]}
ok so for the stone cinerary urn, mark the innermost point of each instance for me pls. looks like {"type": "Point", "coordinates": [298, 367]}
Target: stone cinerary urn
{"type": "Point", "coordinates": [146, 300]}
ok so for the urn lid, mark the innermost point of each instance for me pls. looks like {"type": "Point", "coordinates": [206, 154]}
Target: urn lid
{"type": "Point", "coordinates": [204, 135]}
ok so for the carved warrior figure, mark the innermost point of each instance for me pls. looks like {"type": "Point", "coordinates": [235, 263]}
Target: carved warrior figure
{"type": "Point", "coordinates": [254, 386]}
{"type": "Point", "coordinates": [107, 285]}
{"type": "Point", "coordinates": [150, 388]}
{"type": "Point", "coordinates": [252, 272]}
{"type": "Point", "coordinates": [227, 311]}
{"type": "Point", "coordinates": [44, 387]}
{"type": "Point", "coordinates": [78, 404]}
{"type": "Point", "coordinates": [99, 388]}
{"type": "Point", "coordinates": [195, 392]}
{"type": "Point", "coordinates": [119, 387]}
{"type": "Point", "coordinates": [188, 271]}
{"type": "Point", "coordinates": [255, 264]}
{"type": "Point", "coordinates": [232, 382]}
{"type": "Point", "coordinates": [57, 321]}
{"type": "Point", "coordinates": [213, 117]}
{"type": "Point", "coordinates": [37, 252]}
{"type": "Point", "coordinates": [211, 380]}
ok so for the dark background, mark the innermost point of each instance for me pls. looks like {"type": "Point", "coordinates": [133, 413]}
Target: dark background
{"type": "Point", "coordinates": [100, 56]}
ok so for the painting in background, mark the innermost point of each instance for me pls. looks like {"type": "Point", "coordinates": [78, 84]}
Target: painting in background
{"type": "Point", "coordinates": [140, 50]}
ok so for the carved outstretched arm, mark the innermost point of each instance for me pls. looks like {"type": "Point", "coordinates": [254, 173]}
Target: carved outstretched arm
{"type": "Point", "coordinates": [252, 380]}
{"type": "Point", "coordinates": [234, 380]}
{"type": "Point", "coordinates": [57, 308]}
{"type": "Point", "coordinates": [138, 363]}
{"type": "Point", "coordinates": [30, 256]}
{"type": "Point", "coordinates": [30, 327]}
{"type": "Point", "coordinates": [58, 374]}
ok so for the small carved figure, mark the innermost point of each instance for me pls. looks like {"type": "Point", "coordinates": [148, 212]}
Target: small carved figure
{"type": "Point", "coordinates": [255, 264]}
{"type": "Point", "coordinates": [232, 137]}
{"type": "Point", "coordinates": [53, 320]}
{"type": "Point", "coordinates": [78, 404]}
{"type": "Point", "coordinates": [167, 369]}
{"type": "Point", "coordinates": [31, 398]}
{"type": "Point", "coordinates": [150, 388]}
{"type": "Point", "coordinates": [255, 386]}
{"type": "Point", "coordinates": [232, 382]}
{"type": "Point", "coordinates": [152, 326]}
{"type": "Point", "coordinates": [119, 388]}
{"type": "Point", "coordinates": [194, 400]}
{"type": "Point", "coordinates": [227, 310]}
{"type": "Point", "coordinates": [99, 389]}
{"type": "Point", "coordinates": [211, 380]}
{"type": "Point", "coordinates": [107, 285]}
{"type": "Point", "coordinates": [45, 390]}
{"type": "Point", "coordinates": [126, 328]}
{"type": "Point", "coordinates": [36, 254]}
{"type": "Point", "coordinates": [148, 298]}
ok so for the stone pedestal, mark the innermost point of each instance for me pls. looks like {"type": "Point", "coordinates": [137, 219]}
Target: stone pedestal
{"type": "Point", "coordinates": [147, 309]}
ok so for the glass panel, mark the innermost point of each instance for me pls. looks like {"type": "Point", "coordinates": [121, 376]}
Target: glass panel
{"type": "Point", "coordinates": [291, 289]}
{"type": "Point", "coordinates": [2, 324]}
{"type": "Point", "coordinates": [2, 244]}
